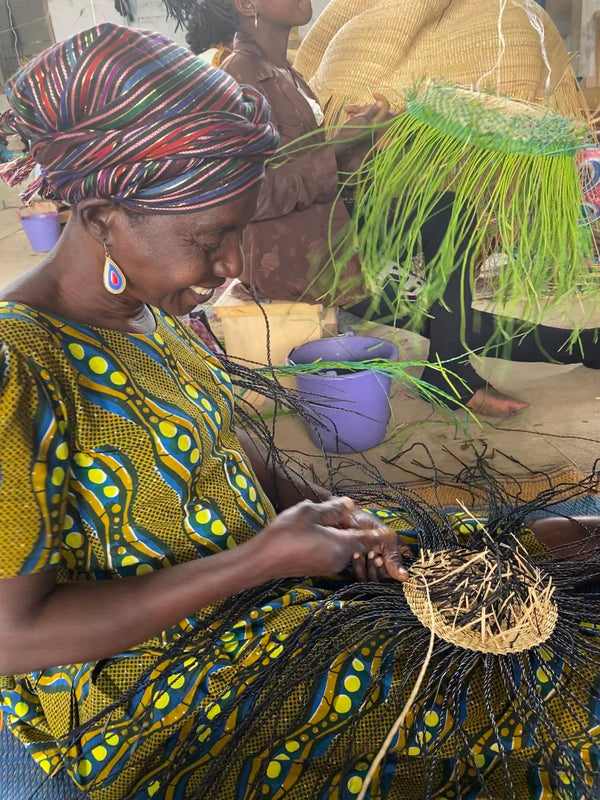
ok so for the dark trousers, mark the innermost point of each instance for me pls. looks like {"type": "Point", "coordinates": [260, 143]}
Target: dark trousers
{"type": "Point", "coordinates": [454, 328]}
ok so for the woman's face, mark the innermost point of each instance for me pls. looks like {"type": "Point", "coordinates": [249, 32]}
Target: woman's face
{"type": "Point", "coordinates": [287, 13]}
{"type": "Point", "coordinates": [176, 261]}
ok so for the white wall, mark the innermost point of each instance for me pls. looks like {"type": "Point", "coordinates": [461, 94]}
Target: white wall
{"type": "Point", "coordinates": [587, 58]}
{"type": "Point", "coordinates": [318, 6]}
{"type": "Point", "coordinates": [71, 16]}
{"type": "Point", "coordinates": [152, 15]}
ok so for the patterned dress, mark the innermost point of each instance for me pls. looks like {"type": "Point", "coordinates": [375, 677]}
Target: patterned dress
{"type": "Point", "coordinates": [117, 457]}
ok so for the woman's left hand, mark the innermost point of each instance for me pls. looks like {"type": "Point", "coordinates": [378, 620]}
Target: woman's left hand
{"type": "Point", "coordinates": [370, 567]}
{"type": "Point", "coordinates": [351, 157]}
{"type": "Point", "coordinates": [359, 128]}
{"type": "Point", "coordinates": [376, 113]}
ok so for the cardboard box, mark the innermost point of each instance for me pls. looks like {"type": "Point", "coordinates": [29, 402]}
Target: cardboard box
{"type": "Point", "coordinates": [592, 96]}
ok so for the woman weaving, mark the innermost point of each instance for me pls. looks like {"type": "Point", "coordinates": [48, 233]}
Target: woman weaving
{"type": "Point", "coordinates": [129, 508]}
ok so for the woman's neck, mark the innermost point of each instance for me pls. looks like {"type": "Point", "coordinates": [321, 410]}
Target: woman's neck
{"type": "Point", "coordinates": [70, 286]}
{"type": "Point", "coordinates": [273, 40]}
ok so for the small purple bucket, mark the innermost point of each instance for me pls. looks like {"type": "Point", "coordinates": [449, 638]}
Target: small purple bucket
{"type": "Point", "coordinates": [43, 230]}
{"type": "Point", "coordinates": [351, 410]}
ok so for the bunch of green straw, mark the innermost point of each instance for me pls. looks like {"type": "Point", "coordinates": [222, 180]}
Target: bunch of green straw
{"type": "Point", "coordinates": [443, 399]}
{"type": "Point", "coordinates": [513, 173]}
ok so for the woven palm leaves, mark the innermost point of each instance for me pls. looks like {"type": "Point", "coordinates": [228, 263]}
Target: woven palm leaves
{"type": "Point", "coordinates": [498, 144]}
{"type": "Point", "coordinates": [489, 601]}
{"type": "Point", "coordinates": [510, 47]}
{"type": "Point", "coordinates": [513, 172]}
{"type": "Point", "coordinates": [484, 715]}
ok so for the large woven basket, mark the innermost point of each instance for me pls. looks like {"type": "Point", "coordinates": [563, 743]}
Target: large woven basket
{"type": "Point", "coordinates": [359, 46]}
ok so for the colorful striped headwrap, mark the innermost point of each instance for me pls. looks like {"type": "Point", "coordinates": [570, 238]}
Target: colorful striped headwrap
{"type": "Point", "coordinates": [130, 115]}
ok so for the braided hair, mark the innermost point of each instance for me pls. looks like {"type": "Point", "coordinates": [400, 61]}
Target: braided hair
{"type": "Point", "coordinates": [213, 23]}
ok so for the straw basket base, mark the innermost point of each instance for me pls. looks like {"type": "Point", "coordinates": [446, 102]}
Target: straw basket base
{"type": "Point", "coordinates": [476, 601]}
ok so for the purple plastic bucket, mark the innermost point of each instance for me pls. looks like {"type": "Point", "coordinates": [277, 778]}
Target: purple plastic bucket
{"type": "Point", "coordinates": [352, 410]}
{"type": "Point", "coordinates": [43, 231]}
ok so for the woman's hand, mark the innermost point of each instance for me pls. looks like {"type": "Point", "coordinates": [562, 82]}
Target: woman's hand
{"type": "Point", "coordinates": [322, 538]}
{"type": "Point", "coordinates": [350, 137]}
{"type": "Point", "coordinates": [353, 145]}
{"type": "Point", "coordinates": [376, 567]}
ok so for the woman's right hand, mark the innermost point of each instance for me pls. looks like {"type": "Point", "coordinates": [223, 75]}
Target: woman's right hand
{"type": "Point", "coordinates": [322, 539]}
{"type": "Point", "coordinates": [44, 623]}
{"type": "Point", "coordinates": [351, 143]}
{"type": "Point", "coordinates": [355, 134]}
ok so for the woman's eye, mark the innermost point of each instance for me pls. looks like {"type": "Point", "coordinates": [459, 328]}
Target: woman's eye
{"type": "Point", "coordinates": [210, 247]}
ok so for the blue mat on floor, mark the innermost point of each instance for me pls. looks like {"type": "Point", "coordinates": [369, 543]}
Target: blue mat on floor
{"type": "Point", "coordinates": [22, 779]}
{"type": "Point", "coordinates": [585, 506]}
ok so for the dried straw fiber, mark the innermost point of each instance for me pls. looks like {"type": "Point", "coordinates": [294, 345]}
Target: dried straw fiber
{"type": "Point", "coordinates": [359, 46]}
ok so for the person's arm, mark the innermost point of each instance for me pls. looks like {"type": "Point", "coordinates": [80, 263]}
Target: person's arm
{"type": "Point", "coordinates": [294, 186]}
{"type": "Point", "coordinates": [44, 624]}
{"type": "Point", "coordinates": [571, 537]}
{"type": "Point", "coordinates": [311, 175]}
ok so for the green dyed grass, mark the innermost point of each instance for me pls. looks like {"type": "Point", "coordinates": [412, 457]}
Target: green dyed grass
{"type": "Point", "coordinates": [397, 371]}
{"type": "Point", "coordinates": [512, 170]}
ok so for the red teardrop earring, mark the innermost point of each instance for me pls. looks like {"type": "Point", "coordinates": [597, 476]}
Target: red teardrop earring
{"type": "Point", "coordinates": [114, 280]}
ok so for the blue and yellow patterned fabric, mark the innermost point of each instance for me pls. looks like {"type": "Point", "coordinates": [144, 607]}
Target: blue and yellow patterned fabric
{"type": "Point", "coordinates": [117, 457]}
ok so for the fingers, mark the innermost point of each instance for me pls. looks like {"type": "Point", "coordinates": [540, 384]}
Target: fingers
{"type": "Point", "coordinates": [362, 115]}
{"type": "Point", "coordinates": [382, 573]}
{"type": "Point", "coordinates": [383, 107]}
{"type": "Point", "coordinates": [353, 110]}
{"type": "Point", "coordinates": [331, 513]}
{"type": "Point", "coordinates": [377, 554]}
{"type": "Point", "coordinates": [381, 100]}
{"type": "Point", "coordinates": [394, 567]}
{"type": "Point", "coordinates": [365, 520]}
{"type": "Point", "coordinates": [383, 554]}
{"type": "Point", "coordinates": [375, 113]}
{"type": "Point", "coordinates": [388, 554]}
{"type": "Point", "coordinates": [359, 567]}
{"type": "Point", "coordinates": [374, 568]}
{"type": "Point", "coordinates": [372, 572]}
{"type": "Point", "coordinates": [369, 568]}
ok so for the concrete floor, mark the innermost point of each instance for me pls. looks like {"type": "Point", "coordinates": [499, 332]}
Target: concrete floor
{"type": "Point", "coordinates": [560, 428]}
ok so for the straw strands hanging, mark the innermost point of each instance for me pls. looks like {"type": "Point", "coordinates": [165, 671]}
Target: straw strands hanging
{"type": "Point", "coordinates": [512, 169]}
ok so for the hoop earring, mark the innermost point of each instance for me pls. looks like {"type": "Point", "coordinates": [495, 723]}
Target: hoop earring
{"type": "Point", "coordinates": [114, 280]}
{"type": "Point", "coordinates": [256, 20]}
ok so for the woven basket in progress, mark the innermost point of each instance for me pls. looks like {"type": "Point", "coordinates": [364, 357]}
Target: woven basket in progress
{"type": "Point", "coordinates": [510, 47]}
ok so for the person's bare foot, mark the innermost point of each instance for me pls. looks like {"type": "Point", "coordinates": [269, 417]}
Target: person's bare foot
{"type": "Point", "coordinates": [489, 402]}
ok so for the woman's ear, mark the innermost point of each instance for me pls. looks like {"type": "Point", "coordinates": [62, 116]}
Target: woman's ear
{"type": "Point", "coordinates": [246, 8]}
{"type": "Point", "coordinates": [98, 217]}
